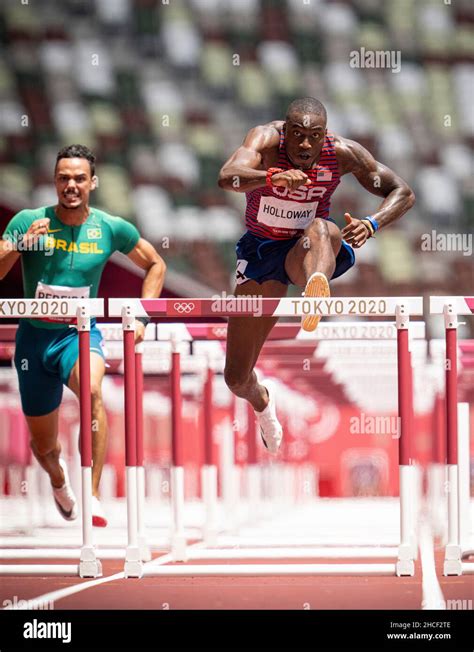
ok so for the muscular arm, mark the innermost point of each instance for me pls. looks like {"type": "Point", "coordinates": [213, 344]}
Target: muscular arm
{"type": "Point", "coordinates": [377, 178]}
{"type": "Point", "coordinates": [145, 256]}
{"type": "Point", "coordinates": [243, 171]}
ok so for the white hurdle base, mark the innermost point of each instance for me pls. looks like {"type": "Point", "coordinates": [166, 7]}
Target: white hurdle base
{"type": "Point", "coordinates": [145, 552]}
{"type": "Point", "coordinates": [133, 566]}
{"type": "Point", "coordinates": [58, 553]}
{"type": "Point", "coordinates": [458, 501]}
{"type": "Point", "coordinates": [407, 551]}
{"type": "Point", "coordinates": [209, 496]}
{"type": "Point", "coordinates": [294, 553]}
{"type": "Point", "coordinates": [302, 542]}
{"type": "Point", "coordinates": [89, 565]}
{"type": "Point", "coordinates": [40, 569]}
{"type": "Point", "coordinates": [178, 538]}
{"type": "Point", "coordinates": [437, 499]}
{"type": "Point", "coordinates": [256, 570]}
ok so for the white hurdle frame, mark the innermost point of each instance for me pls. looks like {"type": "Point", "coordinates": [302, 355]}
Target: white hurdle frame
{"type": "Point", "coordinates": [401, 308]}
{"type": "Point", "coordinates": [112, 334]}
{"type": "Point", "coordinates": [82, 310]}
{"type": "Point", "coordinates": [457, 417]}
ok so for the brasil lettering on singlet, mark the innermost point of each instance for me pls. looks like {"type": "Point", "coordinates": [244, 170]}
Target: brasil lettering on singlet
{"type": "Point", "coordinates": [68, 262]}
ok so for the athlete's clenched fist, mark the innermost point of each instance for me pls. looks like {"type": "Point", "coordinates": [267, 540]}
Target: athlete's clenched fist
{"type": "Point", "coordinates": [290, 179]}
{"type": "Point", "coordinates": [36, 230]}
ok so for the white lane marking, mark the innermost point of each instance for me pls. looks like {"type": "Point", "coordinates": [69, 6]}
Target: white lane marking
{"type": "Point", "coordinates": [54, 596]}
{"type": "Point", "coordinates": [432, 596]}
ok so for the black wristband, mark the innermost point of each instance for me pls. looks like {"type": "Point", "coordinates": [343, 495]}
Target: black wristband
{"type": "Point", "coordinates": [144, 320]}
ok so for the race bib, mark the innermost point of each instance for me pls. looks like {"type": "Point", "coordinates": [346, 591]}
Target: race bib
{"type": "Point", "coordinates": [44, 291]}
{"type": "Point", "coordinates": [283, 214]}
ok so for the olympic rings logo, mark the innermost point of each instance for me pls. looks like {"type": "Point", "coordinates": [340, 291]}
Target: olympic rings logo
{"type": "Point", "coordinates": [219, 332]}
{"type": "Point", "coordinates": [184, 308]}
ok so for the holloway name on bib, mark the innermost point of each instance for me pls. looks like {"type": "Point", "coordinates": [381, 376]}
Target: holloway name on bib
{"type": "Point", "coordinates": [284, 214]}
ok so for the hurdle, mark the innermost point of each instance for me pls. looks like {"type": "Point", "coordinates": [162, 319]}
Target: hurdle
{"type": "Point", "coordinates": [400, 307]}
{"type": "Point", "coordinates": [79, 311]}
{"type": "Point", "coordinates": [202, 334]}
{"type": "Point", "coordinates": [112, 336]}
{"type": "Point", "coordinates": [457, 433]}
{"type": "Point", "coordinates": [114, 333]}
{"type": "Point", "coordinates": [307, 348]}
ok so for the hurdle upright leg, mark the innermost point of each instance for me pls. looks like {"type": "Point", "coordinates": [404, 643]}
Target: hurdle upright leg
{"type": "Point", "coordinates": [406, 553]}
{"type": "Point", "coordinates": [463, 485]}
{"type": "Point", "coordinates": [452, 560]}
{"type": "Point", "coordinates": [178, 539]}
{"type": "Point", "coordinates": [437, 468]}
{"type": "Point", "coordinates": [133, 566]}
{"type": "Point", "coordinates": [89, 565]}
{"type": "Point", "coordinates": [145, 552]}
{"type": "Point", "coordinates": [209, 470]}
{"type": "Point", "coordinates": [253, 483]}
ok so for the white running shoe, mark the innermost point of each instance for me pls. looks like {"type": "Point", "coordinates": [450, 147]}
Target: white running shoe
{"type": "Point", "coordinates": [64, 496]}
{"type": "Point", "coordinates": [270, 428]}
{"type": "Point", "coordinates": [98, 515]}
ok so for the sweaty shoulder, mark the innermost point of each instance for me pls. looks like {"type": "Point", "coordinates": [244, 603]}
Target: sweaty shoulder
{"type": "Point", "coordinates": [264, 137]}
{"type": "Point", "coordinates": [21, 222]}
{"type": "Point", "coordinates": [123, 233]}
{"type": "Point", "coordinates": [348, 153]}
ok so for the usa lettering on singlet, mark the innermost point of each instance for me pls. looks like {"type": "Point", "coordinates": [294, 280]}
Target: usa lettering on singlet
{"type": "Point", "coordinates": [279, 213]}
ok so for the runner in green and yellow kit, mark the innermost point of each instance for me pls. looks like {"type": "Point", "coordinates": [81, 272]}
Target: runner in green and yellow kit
{"type": "Point", "coordinates": [64, 249]}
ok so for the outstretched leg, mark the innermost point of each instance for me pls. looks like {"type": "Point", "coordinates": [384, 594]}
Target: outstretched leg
{"type": "Point", "coordinates": [245, 338]}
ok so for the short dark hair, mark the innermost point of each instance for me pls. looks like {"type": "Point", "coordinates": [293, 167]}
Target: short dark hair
{"type": "Point", "coordinates": [77, 151]}
{"type": "Point", "coordinates": [306, 105]}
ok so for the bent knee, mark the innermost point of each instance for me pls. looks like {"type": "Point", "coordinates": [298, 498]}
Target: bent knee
{"type": "Point", "coordinates": [235, 378]}
{"type": "Point", "coordinates": [43, 449]}
{"type": "Point", "coordinates": [96, 391]}
{"type": "Point", "coordinates": [318, 230]}
{"type": "Point", "coordinates": [336, 240]}
{"type": "Point", "coordinates": [322, 231]}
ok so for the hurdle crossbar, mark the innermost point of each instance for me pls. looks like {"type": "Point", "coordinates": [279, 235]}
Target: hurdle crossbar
{"type": "Point", "coordinates": [258, 307]}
